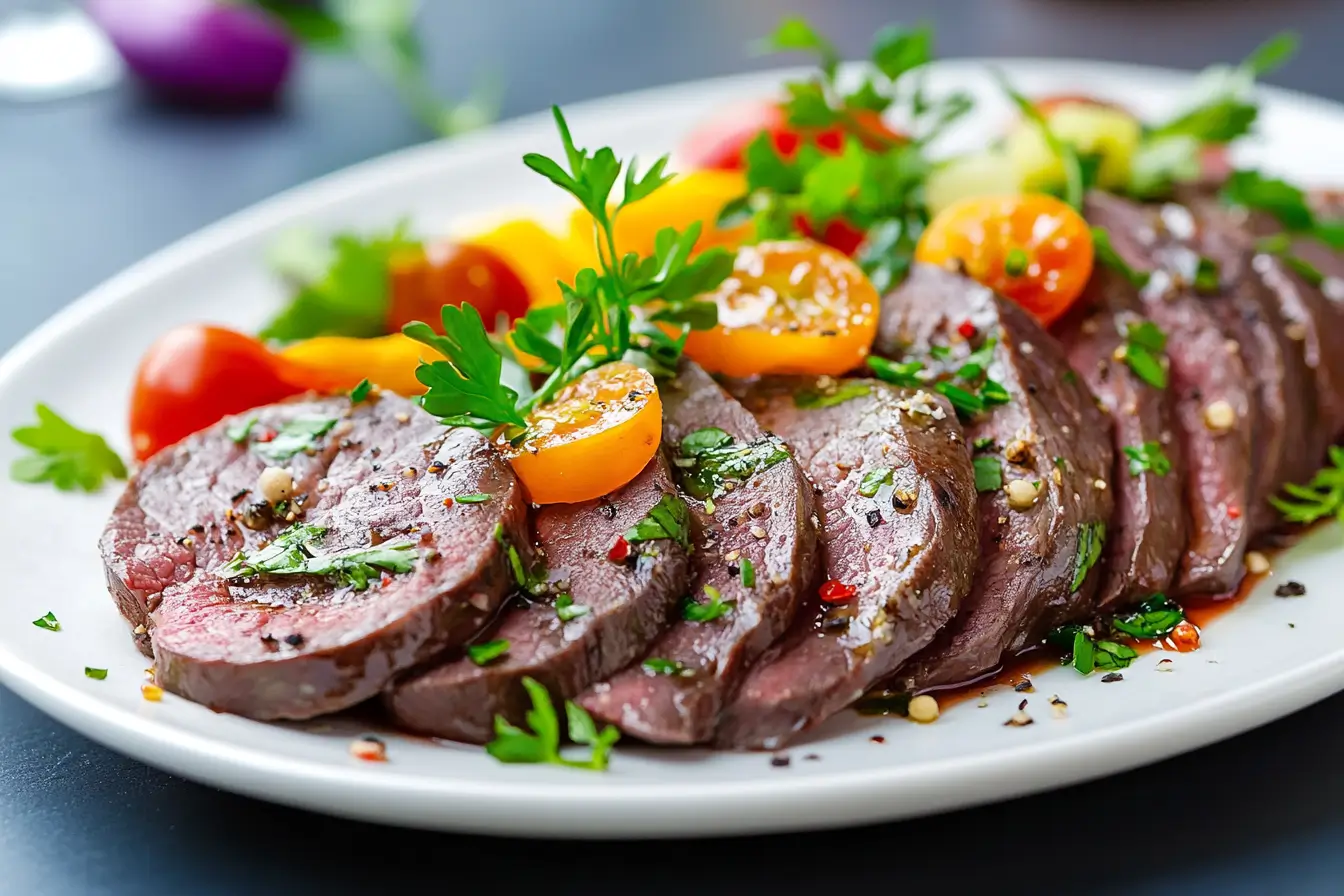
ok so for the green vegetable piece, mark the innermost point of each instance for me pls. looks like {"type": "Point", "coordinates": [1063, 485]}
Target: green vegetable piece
{"type": "Point", "coordinates": [693, 611]}
{"type": "Point", "coordinates": [542, 745]}
{"type": "Point", "coordinates": [1147, 458]}
{"type": "Point", "coordinates": [567, 610]}
{"type": "Point", "coordinates": [988, 473]}
{"type": "Point", "coordinates": [63, 455]}
{"type": "Point", "coordinates": [669, 519]}
{"type": "Point", "coordinates": [95, 674]}
{"type": "Point", "coordinates": [48, 622]}
{"type": "Point", "coordinates": [1091, 538]}
{"type": "Point", "coordinates": [484, 654]}
{"type": "Point", "coordinates": [873, 481]}
{"type": "Point", "coordinates": [361, 392]}
{"type": "Point", "coordinates": [809, 399]}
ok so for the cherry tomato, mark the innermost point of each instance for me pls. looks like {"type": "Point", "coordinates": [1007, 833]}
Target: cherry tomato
{"type": "Point", "coordinates": [789, 307]}
{"type": "Point", "coordinates": [194, 376]}
{"type": "Point", "coordinates": [421, 283]}
{"type": "Point", "coordinates": [592, 438]}
{"type": "Point", "coordinates": [1032, 248]}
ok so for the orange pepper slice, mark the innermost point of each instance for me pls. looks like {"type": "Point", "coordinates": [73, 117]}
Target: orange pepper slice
{"type": "Point", "coordinates": [789, 307]}
{"type": "Point", "coordinates": [592, 438]}
{"type": "Point", "coordinates": [1031, 248]}
{"type": "Point", "coordinates": [341, 362]}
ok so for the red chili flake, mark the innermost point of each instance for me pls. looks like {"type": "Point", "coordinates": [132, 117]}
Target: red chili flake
{"type": "Point", "coordinates": [619, 551]}
{"type": "Point", "coordinates": [1234, 512]}
{"type": "Point", "coordinates": [834, 592]}
{"type": "Point", "coordinates": [267, 435]}
{"type": "Point", "coordinates": [385, 580]}
{"type": "Point", "coordinates": [966, 329]}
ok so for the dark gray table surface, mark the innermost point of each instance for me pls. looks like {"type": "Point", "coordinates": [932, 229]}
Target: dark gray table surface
{"type": "Point", "coordinates": [89, 186]}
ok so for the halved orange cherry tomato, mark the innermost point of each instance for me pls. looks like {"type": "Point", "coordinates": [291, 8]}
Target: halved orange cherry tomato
{"type": "Point", "coordinates": [194, 376]}
{"type": "Point", "coordinates": [420, 283]}
{"type": "Point", "coordinates": [789, 307]}
{"type": "Point", "coordinates": [593, 438]}
{"type": "Point", "coordinates": [1032, 248]}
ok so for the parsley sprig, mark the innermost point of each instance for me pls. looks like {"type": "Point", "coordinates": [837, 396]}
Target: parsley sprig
{"type": "Point", "coordinates": [607, 314]}
{"type": "Point", "coordinates": [542, 744]}
{"type": "Point", "coordinates": [297, 551]}
{"type": "Point", "coordinates": [64, 455]}
{"type": "Point", "coordinates": [1322, 497]}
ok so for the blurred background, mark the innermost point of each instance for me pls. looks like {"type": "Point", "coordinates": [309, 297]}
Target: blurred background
{"type": "Point", "coordinates": [126, 124]}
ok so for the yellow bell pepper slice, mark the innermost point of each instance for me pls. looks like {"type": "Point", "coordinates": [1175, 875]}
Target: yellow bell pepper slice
{"type": "Point", "coordinates": [386, 361]}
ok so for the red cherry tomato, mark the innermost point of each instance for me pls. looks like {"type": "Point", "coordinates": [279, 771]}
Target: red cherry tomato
{"type": "Point", "coordinates": [839, 234]}
{"type": "Point", "coordinates": [420, 283]}
{"type": "Point", "coordinates": [195, 375]}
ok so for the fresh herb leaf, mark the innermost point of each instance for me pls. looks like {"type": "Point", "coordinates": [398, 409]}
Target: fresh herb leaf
{"type": "Point", "coordinates": [702, 440]}
{"type": "Point", "coordinates": [95, 674]}
{"type": "Point", "coordinates": [239, 431]}
{"type": "Point", "coordinates": [1145, 347]}
{"type": "Point", "coordinates": [693, 611]}
{"type": "Point", "coordinates": [1106, 254]}
{"type": "Point", "coordinates": [341, 288]}
{"type": "Point", "coordinates": [466, 389]}
{"type": "Point", "coordinates": [542, 746]}
{"type": "Point", "coordinates": [898, 373]}
{"type": "Point", "coordinates": [735, 461]}
{"type": "Point", "coordinates": [361, 392]}
{"type": "Point", "coordinates": [1110, 655]}
{"type": "Point", "coordinates": [484, 654]}
{"type": "Point", "coordinates": [988, 473]}
{"type": "Point", "coordinates": [471, 499]}
{"type": "Point", "coordinates": [967, 404]}
{"type": "Point", "coordinates": [1091, 539]}
{"type": "Point", "coordinates": [793, 33]}
{"type": "Point", "coordinates": [669, 519]}
{"type": "Point", "coordinates": [984, 443]}
{"type": "Point", "coordinates": [1087, 655]}
{"type": "Point", "coordinates": [297, 552]}
{"type": "Point", "coordinates": [1147, 458]}
{"type": "Point", "coordinates": [532, 581]}
{"type": "Point", "coordinates": [67, 457]}
{"type": "Point", "coordinates": [660, 666]}
{"type": "Point", "coordinates": [812, 399]}
{"type": "Point", "coordinates": [48, 622]}
{"type": "Point", "coordinates": [898, 50]}
{"type": "Point", "coordinates": [294, 437]}
{"type": "Point", "coordinates": [1083, 654]}
{"type": "Point", "coordinates": [1322, 497]}
{"type": "Point", "coordinates": [1155, 618]}
{"type": "Point", "coordinates": [746, 572]}
{"type": "Point", "coordinates": [1207, 280]}
{"type": "Point", "coordinates": [567, 610]}
{"type": "Point", "coordinates": [873, 480]}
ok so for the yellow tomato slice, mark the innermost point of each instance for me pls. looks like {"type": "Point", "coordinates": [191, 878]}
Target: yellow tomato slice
{"type": "Point", "coordinates": [1032, 248]}
{"type": "Point", "coordinates": [789, 307]}
{"type": "Point", "coordinates": [594, 437]}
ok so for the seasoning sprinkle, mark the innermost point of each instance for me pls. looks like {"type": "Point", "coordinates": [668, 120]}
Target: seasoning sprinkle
{"type": "Point", "coordinates": [1290, 589]}
{"type": "Point", "coordinates": [369, 749]}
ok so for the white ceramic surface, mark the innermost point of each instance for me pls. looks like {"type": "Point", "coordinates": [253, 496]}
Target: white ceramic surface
{"type": "Point", "coordinates": [1265, 659]}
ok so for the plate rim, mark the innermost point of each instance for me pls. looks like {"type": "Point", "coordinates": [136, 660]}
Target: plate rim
{"type": "Point", "coordinates": [577, 809]}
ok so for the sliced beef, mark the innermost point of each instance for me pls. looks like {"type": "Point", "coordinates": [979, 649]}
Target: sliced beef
{"type": "Point", "coordinates": [1038, 563]}
{"type": "Point", "coordinates": [1146, 538]}
{"type": "Point", "coordinates": [753, 510]}
{"type": "Point", "coordinates": [599, 616]}
{"type": "Point", "coordinates": [297, 646]}
{"type": "Point", "coordinates": [1207, 375]}
{"type": "Point", "coordinates": [897, 500]}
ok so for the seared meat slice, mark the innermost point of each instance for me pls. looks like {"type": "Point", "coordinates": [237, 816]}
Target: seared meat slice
{"type": "Point", "coordinates": [601, 616]}
{"type": "Point", "coordinates": [754, 518]}
{"type": "Point", "coordinates": [1215, 398]}
{"type": "Point", "coordinates": [293, 646]}
{"type": "Point", "coordinates": [1039, 550]}
{"type": "Point", "coordinates": [1146, 538]}
{"type": "Point", "coordinates": [896, 495]}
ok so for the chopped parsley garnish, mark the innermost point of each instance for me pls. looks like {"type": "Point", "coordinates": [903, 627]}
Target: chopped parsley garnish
{"type": "Point", "coordinates": [1147, 458]}
{"type": "Point", "coordinates": [736, 461]}
{"type": "Point", "coordinates": [48, 622]}
{"type": "Point", "coordinates": [875, 180]}
{"type": "Point", "coordinates": [1322, 497]}
{"type": "Point", "coordinates": [896, 373]}
{"type": "Point", "coordinates": [984, 443]}
{"type": "Point", "coordinates": [1106, 254]}
{"type": "Point", "coordinates": [659, 666]}
{"type": "Point", "coordinates": [747, 572]}
{"type": "Point", "coordinates": [341, 288]}
{"type": "Point", "coordinates": [534, 580]}
{"type": "Point", "coordinates": [484, 654]}
{"type": "Point", "coordinates": [361, 392]}
{"type": "Point", "coordinates": [67, 457]}
{"type": "Point", "coordinates": [542, 745]}
{"type": "Point", "coordinates": [1015, 263]}
{"type": "Point", "coordinates": [1155, 618]}
{"type": "Point", "coordinates": [297, 552]}
{"type": "Point", "coordinates": [704, 439]}
{"type": "Point", "coordinates": [967, 404]}
{"type": "Point", "coordinates": [694, 611]}
{"type": "Point", "coordinates": [95, 674]}
{"type": "Point", "coordinates": [988, 473]}
{"type": "Point", "coordinates": [596, 323]}
{"type": "Point", "coordinates": [240, 431]}
{"type": "Point", "coordinates": [1091, 539]}
{"type": "Point", "coordinates": [1145, 345]}
{"type": "Point", "coordinates": [292, 438]}
{"type": "Point", "coordinates": [969, 388]}
{"type": "Point", "coordinates": [810, 399]}
{"type": "Point", "coordinates": [1087, 655]}
{"type": "Point", "coordinates": [873, 480]}
{"type": "Point", "coordinates": [669, 519]}
{"type": "Point", "coordinates": [1207, 279]}
{"type": "Point", "coordinates": [477, 498]}
{"type": "Point", "coordinates": [567, 610]}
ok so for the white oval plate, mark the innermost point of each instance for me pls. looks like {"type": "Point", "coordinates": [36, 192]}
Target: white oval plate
{"type": "Point", "coordinates": [1263, 660]}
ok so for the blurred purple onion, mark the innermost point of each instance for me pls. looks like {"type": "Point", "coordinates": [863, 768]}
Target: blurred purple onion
{"type": "Point", "coordinates": [199, 50]}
